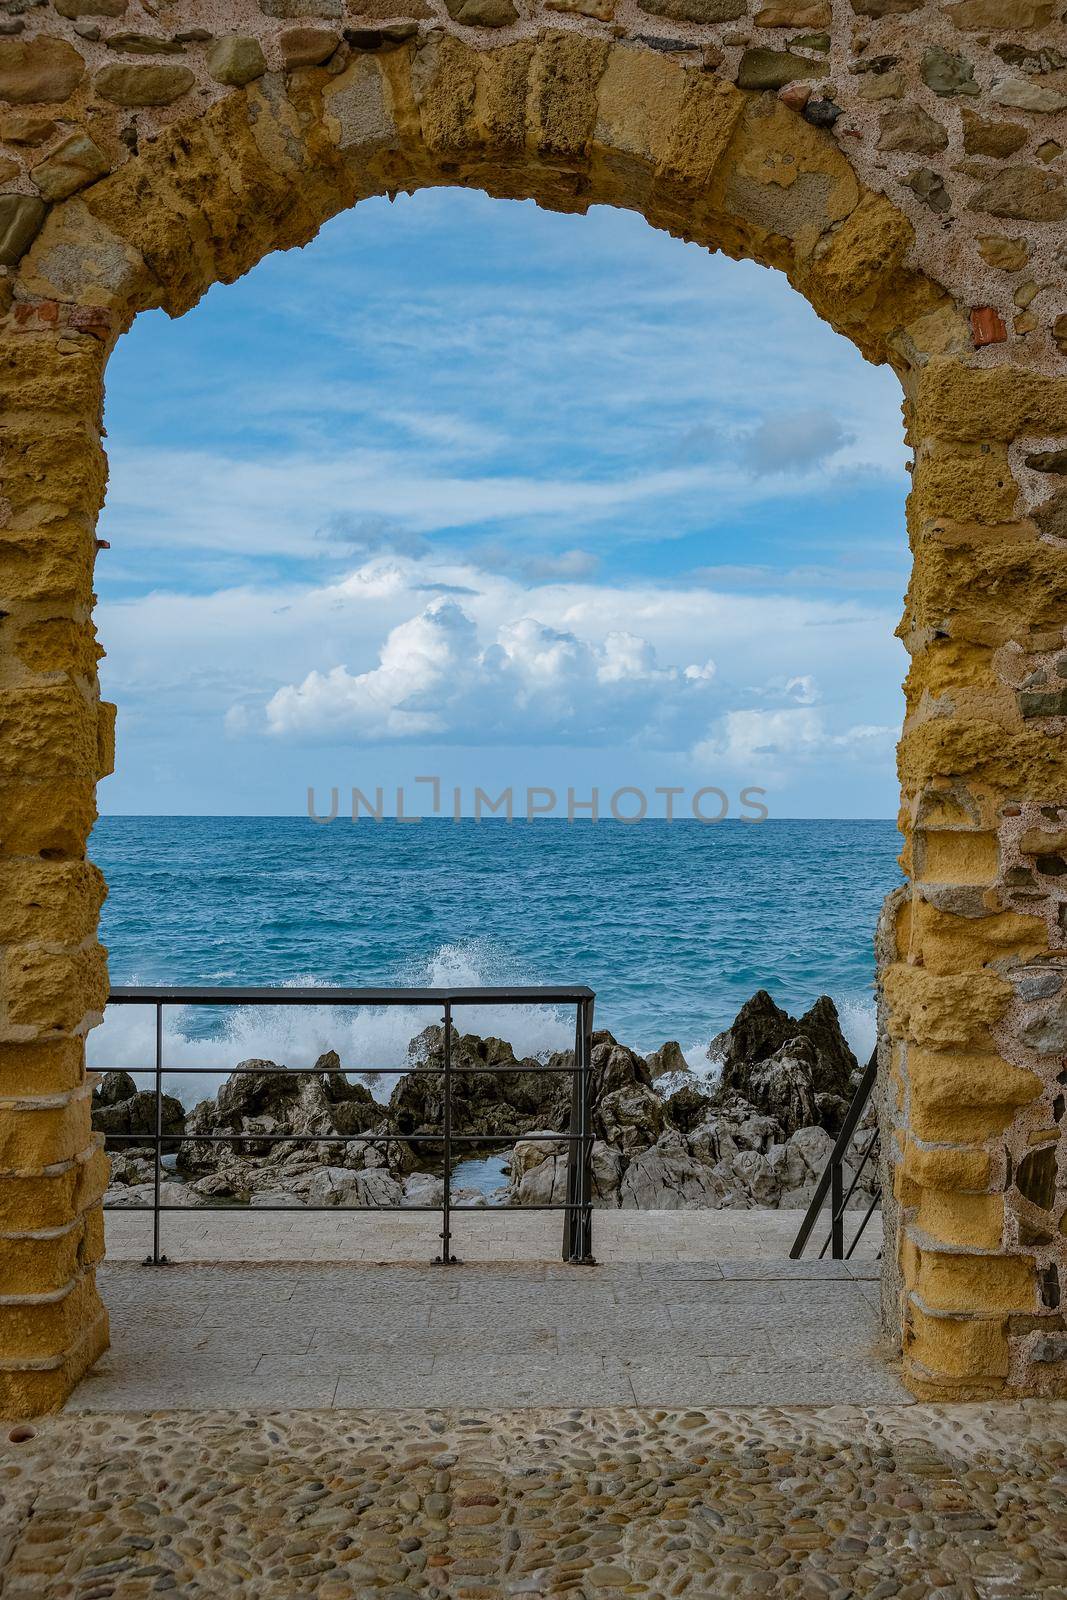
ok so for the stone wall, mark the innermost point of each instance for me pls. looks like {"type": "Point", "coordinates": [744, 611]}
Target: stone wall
{"type": "Point", "coordinates": [902, 164]}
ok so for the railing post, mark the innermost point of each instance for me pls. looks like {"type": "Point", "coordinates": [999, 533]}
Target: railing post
{"type": "Point", "coordinates": [837, 1210]}
{"type": "Point", "coordinates": [571, 1230]}
{"type": "Point", "coordinates": [446, 1258]}
{"type": "Point", "coordinates": [578, 1227]}
{"type": "Point", "coordinates": [586, 1079]}
{"type": "Point", "coordinates": [156, 1259]}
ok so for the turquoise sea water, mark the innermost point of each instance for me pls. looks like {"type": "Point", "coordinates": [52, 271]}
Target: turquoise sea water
{"type": "Point", "coordinates": [673, 924]}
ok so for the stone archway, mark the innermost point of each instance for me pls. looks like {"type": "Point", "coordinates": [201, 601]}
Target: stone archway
{"type": "Point", "coordinates": [971, 953]}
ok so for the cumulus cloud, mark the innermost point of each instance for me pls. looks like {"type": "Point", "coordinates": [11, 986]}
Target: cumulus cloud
{"type": "Point", "coordinates": [530, 683]}
{"type": "Point", "coordinates": [770, 743]}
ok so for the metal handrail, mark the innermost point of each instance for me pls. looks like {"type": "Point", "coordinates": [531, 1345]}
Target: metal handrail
{"type": "Point", "coordinates": [577, 1209]}
{"type": "Point", "coordinates": [831, 1181]}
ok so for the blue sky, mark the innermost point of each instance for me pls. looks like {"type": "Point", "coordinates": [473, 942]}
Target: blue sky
{"type": "Point", "coordinates": [468, 488]}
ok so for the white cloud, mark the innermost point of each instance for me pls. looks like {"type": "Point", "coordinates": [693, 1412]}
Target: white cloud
{"type": "Point", "coordinates": [530, 683]}
{"type": "Point", "coordinates": [768, 745]}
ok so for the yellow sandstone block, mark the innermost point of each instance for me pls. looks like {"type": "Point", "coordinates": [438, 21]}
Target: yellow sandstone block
{"type": "Point", "coordinates": [956, 1347]}
{"type": "Point", "coordinates": [45, 1260]}
{"type": "Point", "coordinates": [46, 818]}
{"type": "Point", "coordinates": [44, 1066]}
{"type": "Point", "coordinates": [974, 1221]}
{"type": "Point", "coordinates": [52, 992]}
{"type": "Point", "coordinates": [964, 1283]}
{"type": "Point", "coordinates": [946, 1167]}
{"type": "Point", "coordinates": [951, 1080]}
{"type": "Point", "coordinates": [943, 1011]}
{"type": "Point", "coordinates": [957, 402]}
{"type": "Point", "coordinates": [54, 1196]}
{"type": "Point", "coordinates": [957, 856]}
{"type": "Point", "coordinates": [49, 1324]}
{"type": "Point", "coordinates": [51, 902]}
{"type": "Point", "coordinates": [33, 1390]}
{"type": "Point", "coordinates": [41, 1133]}
{"type": "Point", "coordinates": [949, 943]}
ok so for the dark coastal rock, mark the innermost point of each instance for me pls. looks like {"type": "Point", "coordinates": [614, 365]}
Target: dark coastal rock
{"type": "Point", "coordinates": [484, 1101]}
{"type": "Point", "coordinates": [686, 1107]}
{"type": "Point", "coordinates": [119, 1107]}
{"type": "Point", "coordinates": [667, 1059]}
{"type": "Point", "coordinates": [760, 1137]}
{"type": "Point", "coordinates": [262, 1098]}
{"type": "Point", "coordinates": [761, 1030]}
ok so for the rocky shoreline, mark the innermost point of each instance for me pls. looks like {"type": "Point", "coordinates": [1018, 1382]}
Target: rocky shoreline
{"type": "Point", "coordinates": [664, 1139]}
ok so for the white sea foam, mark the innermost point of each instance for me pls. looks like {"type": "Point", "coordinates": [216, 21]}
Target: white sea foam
{"type": "Point", "coordinates": [368, 1040]}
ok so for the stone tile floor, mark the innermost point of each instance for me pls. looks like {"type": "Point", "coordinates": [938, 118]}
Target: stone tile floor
{"type": "Point", "coordinates": [886, 1502]}
{"type": "Point", "coordinates": [494, 1334]}
{"type": "Point", "coordinates": [493, 1234]}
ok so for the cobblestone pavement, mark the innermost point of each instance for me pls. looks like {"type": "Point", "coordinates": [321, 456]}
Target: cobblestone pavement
{"type": "Point", "coordinates": [963, 1504]}
{"type": "Point", "coordinates": [490, 1334]}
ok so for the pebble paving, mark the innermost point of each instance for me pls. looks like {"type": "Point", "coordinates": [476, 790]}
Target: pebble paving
{"type": "Point", "coordinates": [962, 1503]}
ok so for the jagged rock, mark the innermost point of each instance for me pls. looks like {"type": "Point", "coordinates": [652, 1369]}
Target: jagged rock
{"type": "Point", "coordinates": [761, 1180]}
{"type": "Point", "coordinates": [759, 1032]}
{"type": "Point", "coordinates": [423, 1189]}
{"type": "Point", "coordinates": [142, 1194]}
{"type": "Point", "coordinates": [669, 1178]}
{"type": "Point", "coordinates": [686, 1107]}
{"type": "Point", "coordinates": [483, 1101]}
{"type": "Point", "coordinates": [539, 1173]}
{"type": "Point", "coordinates": [668, 1059]}
{"type": "Point", "coordinates": [341, 1186]}
{"type": "Point", "coordinates": [119, 1107]}
{"type": "Point", "coordinates": [262, 1098]}
{"type": "Point", "coordinates": [630, 1118]}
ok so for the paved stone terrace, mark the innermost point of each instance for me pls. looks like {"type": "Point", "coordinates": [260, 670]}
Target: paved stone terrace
{"type": "Point", "coordinates": [895, 1503]}
{"type": "Point", "coordinates": [489, 1334]}
{"type": "Point", "coordinates": [495, 1234]}
{"type": "Point", "coordinates": [343, 1309]}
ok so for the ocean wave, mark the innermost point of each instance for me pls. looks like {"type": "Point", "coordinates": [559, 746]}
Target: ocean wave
{"type": "Point", "coordinates": [369, 1040]}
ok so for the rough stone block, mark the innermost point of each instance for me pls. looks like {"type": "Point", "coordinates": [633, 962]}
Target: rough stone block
{"type": "Point", "coordinates": [970, 1221]}
{"type": "Point", "coordinates": [46, 1328]}
{"type": "Point", "coordinates": [960, 1348]}
{"type": "Point", "coordinates": [50, 992]}
{"type": "Point", "coordinates": [55, 902]}
{"type": "Point", "coordinates": [964, 482]}
{"type": "Point", "coordinates": [46, 1066]}
{"type": "Point", "coordinates": [954, 1081]}
{"type": "Point", "coordinates": [38, 1133]}
{"type": "Point", "coordinates": [46, 817]}
{"type": "Point", "coordinates": [976, 1284]}
{"type": "Point", "coordinates": [47, 732]}
{"type": "Point", "coordinates": [31, 1391]}
{"type": "Point", "coordinates": [947, 1168]}
{"type": "Point", "coordinates": [957, 857]}
{"type": "Point", "coordinates": [45, 1261]}
{"type": "Point", "coordinates": [944, 1012]}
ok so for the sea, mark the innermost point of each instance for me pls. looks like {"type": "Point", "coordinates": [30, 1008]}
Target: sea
{"type": "Point", "coordinates": [673, 924]}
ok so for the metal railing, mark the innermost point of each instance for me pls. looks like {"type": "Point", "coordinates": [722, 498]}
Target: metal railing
{"type": "Point", "coordinates": [832, 1180]}
{"type": "Point", "coordinates": [577, 1209]}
